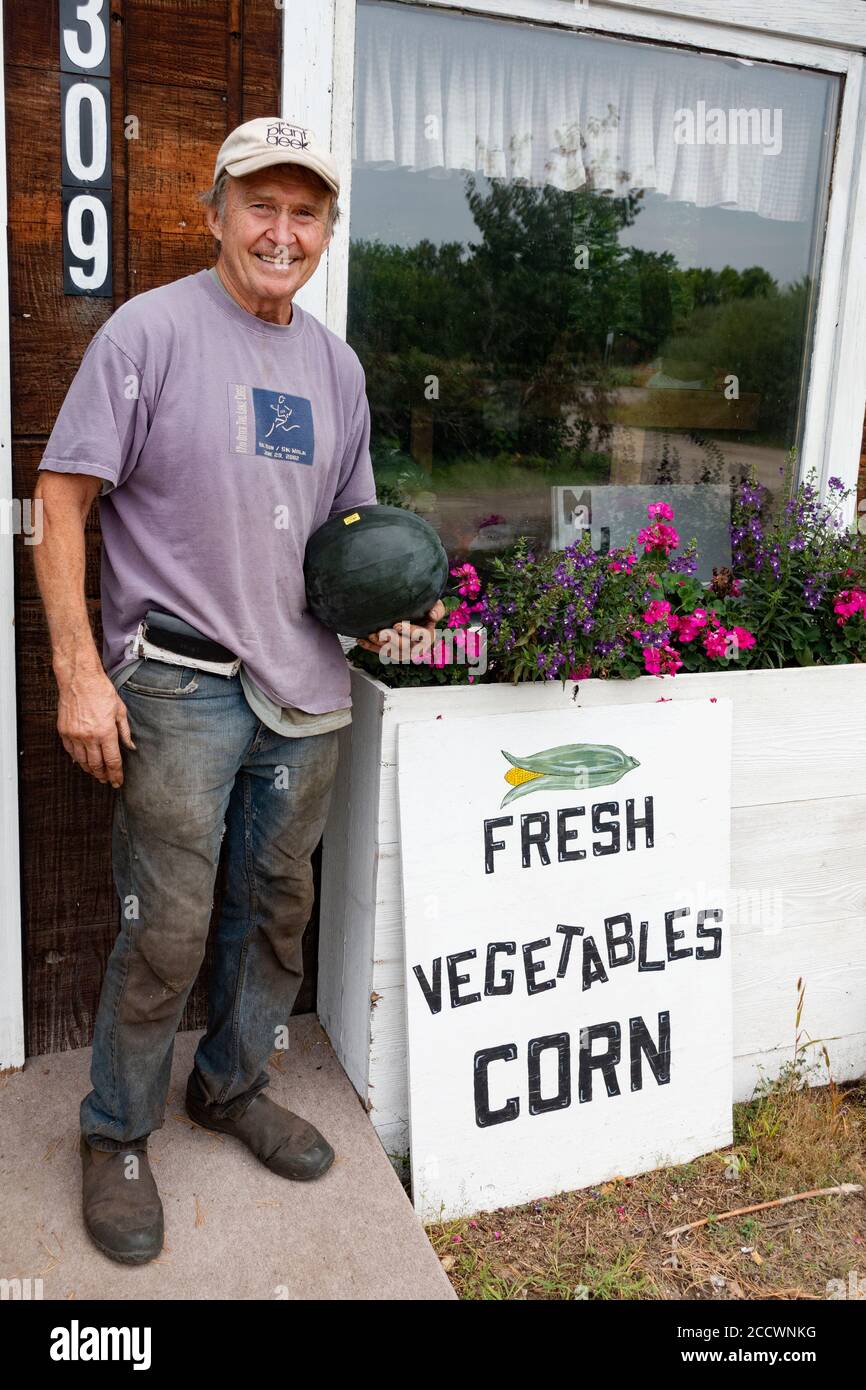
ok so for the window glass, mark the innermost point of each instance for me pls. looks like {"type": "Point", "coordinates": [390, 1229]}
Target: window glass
{"type": "Point", "coordinates": [578, 264]}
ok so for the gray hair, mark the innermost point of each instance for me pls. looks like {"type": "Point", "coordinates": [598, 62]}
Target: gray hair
{"type": "Point", "coordinates": [217, 196]}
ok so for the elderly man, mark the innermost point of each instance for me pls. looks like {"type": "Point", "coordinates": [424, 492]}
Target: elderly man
{"type": "Point", "coordinates": [220, 425]}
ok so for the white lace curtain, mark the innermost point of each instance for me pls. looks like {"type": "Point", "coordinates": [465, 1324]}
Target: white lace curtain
{"type": "Point", "coordinates": [440, 92]}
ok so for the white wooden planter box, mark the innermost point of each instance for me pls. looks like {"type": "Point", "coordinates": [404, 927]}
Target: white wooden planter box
{"type": "Point", "coordinates": [798, 867]}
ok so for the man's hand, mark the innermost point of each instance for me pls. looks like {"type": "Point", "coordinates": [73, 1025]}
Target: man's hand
{"type": "Point", "coordinates": [89, 715]}
{"type": "Point", "coordinates": [405, 636]}
{"type": "Point", "coordinates": [89, 712]}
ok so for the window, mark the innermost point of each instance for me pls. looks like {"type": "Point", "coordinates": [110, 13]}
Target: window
{"type": "Point", "coordinates": [578, 262]}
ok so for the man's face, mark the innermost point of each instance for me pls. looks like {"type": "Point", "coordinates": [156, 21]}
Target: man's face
{"type": "Point", "coordinates": [273, 233]}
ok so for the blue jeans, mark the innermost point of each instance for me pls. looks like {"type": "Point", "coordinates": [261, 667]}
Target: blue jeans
{"type": "Point", "coordinates": [204, 766]}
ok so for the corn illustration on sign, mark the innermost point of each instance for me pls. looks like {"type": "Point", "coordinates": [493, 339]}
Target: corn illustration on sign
{"type": "Point", "coordinates": [566, 945]}
{"type": "Point", "coordinates": [567, 768]}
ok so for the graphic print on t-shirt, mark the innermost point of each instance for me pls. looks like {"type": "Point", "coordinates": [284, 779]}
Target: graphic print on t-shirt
{"type": "Point", "coordinates": [272, 424]}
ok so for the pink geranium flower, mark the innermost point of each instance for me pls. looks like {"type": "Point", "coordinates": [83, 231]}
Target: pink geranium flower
{"type": "Point", "coordinates": [658, 537]}
{"type": "Point", "coordinates": [435, 655]}
{"type": "Point", "coordinates": [470, 584]}
{"type": "Point", "coordinates": [659, 510]}
{"type": "Point", "coordinates": [849, 602]}
{"type": "Point", "coordinates": [657, 611]}
{"type": "Point", "coordinates": [716, 642]}
{"type": "Point", "coordinates": [461, 615]}
{"type": "Point", "coordinates": [691, 624]}
{"type": "Point", "coordinates": [661, 661]}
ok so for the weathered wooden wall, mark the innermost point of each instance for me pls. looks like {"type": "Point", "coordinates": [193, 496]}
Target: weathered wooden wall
{"type": "Point", "coordinates": [190, 70]}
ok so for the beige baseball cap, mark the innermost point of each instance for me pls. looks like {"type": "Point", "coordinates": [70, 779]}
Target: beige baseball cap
{"type": "Point", "coordinates": [274, 140]}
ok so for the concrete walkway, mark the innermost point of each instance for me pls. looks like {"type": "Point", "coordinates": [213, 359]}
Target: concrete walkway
{"type": "Point", "coordinates": [233, 1230]}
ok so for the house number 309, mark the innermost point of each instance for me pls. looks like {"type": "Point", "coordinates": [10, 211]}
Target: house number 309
{"type": "Point", "coordinates": [85, 146]}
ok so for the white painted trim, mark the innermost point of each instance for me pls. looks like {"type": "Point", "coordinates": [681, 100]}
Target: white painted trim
{"type": "Point", "coordinates": [704, 24]}
{"type": "Point", "coordinates": [343, 79]}
{"type": "Point", "coordinates": [347, 905]}
{"type": "Point", "coordinates": [843, 377]}
{"type": "Point", "coordinates": [11, 977]}
{"type": "Point", "coordinates": [824, 21]}
{"type": "Point", "coordinates": [307, 96]}
{"type": "Point", "coordinates": [832, 277]}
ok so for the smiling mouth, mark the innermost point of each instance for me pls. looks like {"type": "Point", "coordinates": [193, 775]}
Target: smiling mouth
{"type": "Point", "coordinates": [278, 262]}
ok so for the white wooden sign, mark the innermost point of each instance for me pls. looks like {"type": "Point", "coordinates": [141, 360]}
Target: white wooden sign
{"type": "Point", "coordinates": [568, 961]}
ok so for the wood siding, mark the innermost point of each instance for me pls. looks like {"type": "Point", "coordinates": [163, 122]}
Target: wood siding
{"type": "Point", "coordinates": [190, 70]}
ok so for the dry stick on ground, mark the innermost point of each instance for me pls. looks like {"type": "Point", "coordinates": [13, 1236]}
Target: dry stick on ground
{"type": "Point", "coordinates": [843, 1190]}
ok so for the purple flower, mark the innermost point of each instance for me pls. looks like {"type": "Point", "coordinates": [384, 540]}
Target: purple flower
{"type": "Point", "coordinates": [684, 564]}
{"type": "Point", "coordinates": [750, 494]}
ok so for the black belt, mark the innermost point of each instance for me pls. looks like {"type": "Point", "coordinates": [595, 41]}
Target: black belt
{"type": "Point", "coordinates": [174, 635]}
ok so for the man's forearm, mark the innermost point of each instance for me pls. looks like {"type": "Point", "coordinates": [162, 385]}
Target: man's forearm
{"type": "Point", "coordinates": [59, 562]}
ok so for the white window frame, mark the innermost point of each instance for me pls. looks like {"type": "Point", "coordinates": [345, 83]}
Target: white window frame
{"type": "Point", "coordinates": [11, 978]}
{"type": "Point", "coordinates": [822, 35]}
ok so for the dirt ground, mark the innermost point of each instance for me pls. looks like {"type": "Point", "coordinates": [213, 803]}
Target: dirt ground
{"type": "Point", "coordinates": [613, 1242]}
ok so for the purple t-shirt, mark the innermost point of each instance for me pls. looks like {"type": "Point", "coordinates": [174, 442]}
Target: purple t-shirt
{"type": "Point", "coordinates": [224, 442]}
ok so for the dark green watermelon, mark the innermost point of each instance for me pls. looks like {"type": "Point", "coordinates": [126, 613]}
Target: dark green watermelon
{"type": "Point", "coordinates": [372, 567]}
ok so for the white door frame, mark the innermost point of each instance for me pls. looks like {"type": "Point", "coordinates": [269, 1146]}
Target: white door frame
{"type": "Point", "coordinates": [317, 86]}
{"type": "Point", "coordinates": [826, 35]}
{"type": "Point", "coordinates": [11, 976]}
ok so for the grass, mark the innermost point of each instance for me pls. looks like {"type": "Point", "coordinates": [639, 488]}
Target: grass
{"type": "Point", "coordinates": [609, 1242]}
{"type": "Point", "coordinates": [497, 475]}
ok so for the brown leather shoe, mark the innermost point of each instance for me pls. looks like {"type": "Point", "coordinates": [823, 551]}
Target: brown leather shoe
{"type": "Point", "coordinates": [284, 1142]}
{"type": "Point", "coordinates": [123, 1215]}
